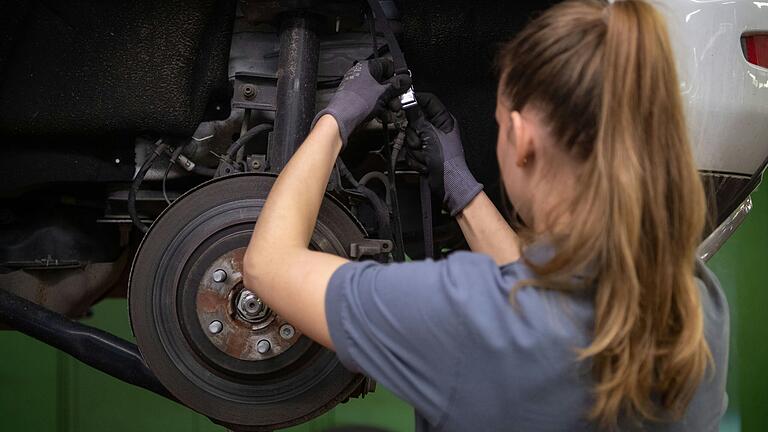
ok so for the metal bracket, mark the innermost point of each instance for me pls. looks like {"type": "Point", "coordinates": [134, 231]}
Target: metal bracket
{"type": "Point", "coordinates": [256, 163]}
{"type": "Point", "coordinates": [255, 92]}
{"type": "Point", "coordinates": [227, 167]}
{"type": "Point", "coordinates": [369, 247]}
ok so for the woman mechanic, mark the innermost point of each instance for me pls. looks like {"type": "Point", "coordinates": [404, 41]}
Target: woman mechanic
{"type": "Point", "coordinates": [594, 315]}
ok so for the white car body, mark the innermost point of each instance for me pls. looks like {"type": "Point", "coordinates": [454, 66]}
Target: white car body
{"type": "Point", "coordinates": [726, 97]}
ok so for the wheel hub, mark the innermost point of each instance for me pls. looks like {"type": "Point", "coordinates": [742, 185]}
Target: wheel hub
{"type": "Point", "coordinates": [249, 329]}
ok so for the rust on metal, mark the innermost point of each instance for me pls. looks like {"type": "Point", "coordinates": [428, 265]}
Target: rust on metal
{"type": "Point", "coordinates": [216, 301]}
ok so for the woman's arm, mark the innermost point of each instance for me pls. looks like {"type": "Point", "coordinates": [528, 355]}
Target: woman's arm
{"type": "Point", "coordinates": [487, 232]}
{"type": "Point", "coordinates": [278, 264]}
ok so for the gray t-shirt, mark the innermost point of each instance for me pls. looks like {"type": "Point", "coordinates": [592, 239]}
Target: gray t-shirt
{"type": "Point", "coordinates": [443, 336]}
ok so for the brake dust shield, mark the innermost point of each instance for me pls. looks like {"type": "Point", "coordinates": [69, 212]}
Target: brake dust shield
{"type": "Point", "coordinates": [212, 343]}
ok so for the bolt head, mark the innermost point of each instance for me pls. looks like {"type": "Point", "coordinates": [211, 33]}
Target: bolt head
{"type": "Point", "coordinates": [215, 327]}
{"type": "Point", "coordinates": [263, 346]}
{"type": "Point", "coordinates": [249, 91]}
{"type": "Point", "coordinates": [287, 331]}
{"type": "Point", "coordinates": [219, 276]}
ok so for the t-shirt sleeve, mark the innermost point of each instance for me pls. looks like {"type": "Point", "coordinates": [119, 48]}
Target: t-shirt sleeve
{"type": "Point", "coordinates": [402, 324]}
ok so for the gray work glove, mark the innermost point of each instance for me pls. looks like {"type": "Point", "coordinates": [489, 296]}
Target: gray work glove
{"type": "Point", "coordinates": [366, 89]}
{"type": "Point", "coordinates": [435, 149]}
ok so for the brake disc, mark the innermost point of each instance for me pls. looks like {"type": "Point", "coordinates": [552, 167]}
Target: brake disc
{"type": "Point", "coordinates": [212, 343]}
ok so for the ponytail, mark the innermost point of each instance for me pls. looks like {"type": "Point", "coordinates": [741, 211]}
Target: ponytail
{"type": "Point", "coordinates": [639, 212]}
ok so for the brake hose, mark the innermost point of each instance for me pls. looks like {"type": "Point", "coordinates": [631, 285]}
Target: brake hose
{"type": "Point", "coordinates": [379, 208]}
{"type": "Point", "coordinates": [252, 132]}
{"type": "Point", "coordinates": [171, 162]}
{"type": "Point", "coordinates": [160, 147]}
{"type": "Point", "coordinates": [380, 176]}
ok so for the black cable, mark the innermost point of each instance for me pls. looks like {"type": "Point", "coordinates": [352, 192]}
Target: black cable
{"type": "Point", "coordinates": [399, 249]}
{"type": "Point", "coordinates": [382, 25]}
{"type": "Point", "coordinates": [252, 132]}
{"type": "Point", "coordinates": [243, 130]}
{"type": "Point", "coordinates": [380, 176]}
{"type": "Point", "coordinates": [171, 163]}
{"type": "Point", "coordinates": [165, 176]}
{"type": "Point", "coordinates": [204, 171]}
{"type": "Point", "coordinates": [136, 184]}
{"type": "Point", "coordinates": [380, 209]}
{"type": "Point", "coordinates": [372, 29]}
{"type": "Point", "coordinates": [344, 171]}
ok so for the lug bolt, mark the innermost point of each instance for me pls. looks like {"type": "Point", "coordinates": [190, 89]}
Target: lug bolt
{"type": "Point", "coordinates": [263, 346]}
{"type": "Point", "coordinates": [219, 276]}
{"type": "Point", "coordinates": [287, 331]}
{"type": "Point", "coordinates": [215, 327]}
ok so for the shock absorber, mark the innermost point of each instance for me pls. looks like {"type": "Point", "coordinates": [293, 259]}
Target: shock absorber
{"type": "Point", "coordinates": [296, 86]}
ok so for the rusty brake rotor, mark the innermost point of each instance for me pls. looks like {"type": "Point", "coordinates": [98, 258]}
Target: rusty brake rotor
{"type": "Point", "coordinates": [212, 342]}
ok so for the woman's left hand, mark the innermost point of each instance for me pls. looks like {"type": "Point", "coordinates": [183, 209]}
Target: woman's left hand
{"type": "Point", "coordinates": [435, 148]}
{"type": "Point", "coordinates": [366, 88]}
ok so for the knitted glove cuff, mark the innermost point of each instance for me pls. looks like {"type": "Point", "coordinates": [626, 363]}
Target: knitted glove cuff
{"type": "Point", "coordinates": [460, 185]}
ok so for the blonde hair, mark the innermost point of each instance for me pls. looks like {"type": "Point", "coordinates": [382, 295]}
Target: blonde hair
{"type": "Point", "coordinates": [604, 77]}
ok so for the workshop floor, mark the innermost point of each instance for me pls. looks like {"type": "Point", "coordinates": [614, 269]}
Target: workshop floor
{"type": "Point", "coordinates": [42, 389]}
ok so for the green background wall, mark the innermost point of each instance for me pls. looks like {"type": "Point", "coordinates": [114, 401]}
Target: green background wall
{"type": "Point", "coordinates": [42, 389]}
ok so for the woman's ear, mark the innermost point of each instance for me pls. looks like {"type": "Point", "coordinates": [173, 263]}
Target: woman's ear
{"type": "Point", "coordinates": [522, 139]}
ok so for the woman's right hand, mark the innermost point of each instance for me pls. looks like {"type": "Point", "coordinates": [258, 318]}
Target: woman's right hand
{"type": "Point", "coordinates": [434, 144]}
{"type": "Point", "coordinates": [366, 89]}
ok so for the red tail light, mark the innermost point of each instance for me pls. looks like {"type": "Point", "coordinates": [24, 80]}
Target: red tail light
{"type": "Point", "coordinates": [756, 49]}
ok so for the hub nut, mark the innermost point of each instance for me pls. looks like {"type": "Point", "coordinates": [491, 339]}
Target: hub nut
{"type": "Point", "coordinates": [250, 307]}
